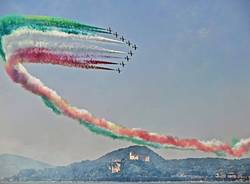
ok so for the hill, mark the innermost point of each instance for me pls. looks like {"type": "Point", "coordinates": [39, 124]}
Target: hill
{"type": "Point", "coordinates": [139, 163]}
{"type": "Point", "coordinates": [11, 164]}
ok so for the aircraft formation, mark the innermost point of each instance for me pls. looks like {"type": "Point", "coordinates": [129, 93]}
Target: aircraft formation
{"type": "Point", "coordinates": [132, 46]}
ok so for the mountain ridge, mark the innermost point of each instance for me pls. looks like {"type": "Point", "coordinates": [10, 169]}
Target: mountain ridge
{"type": "Point", "coordinates": [11, 164]}
{"type": "Point", "coordinates": [137, 163]}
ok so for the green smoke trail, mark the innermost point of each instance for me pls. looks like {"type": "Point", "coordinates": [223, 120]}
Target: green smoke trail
{"type": "Point", "coordinates": [60, 22]}
{"type": "Point", "coordinates": [220, 153]}
{"type": "Point", "coordinates": [101, 131]}
{"type": "Point", "coordinates": [51, 105]}
{"type": "Point", "coordinates": [234, 141]}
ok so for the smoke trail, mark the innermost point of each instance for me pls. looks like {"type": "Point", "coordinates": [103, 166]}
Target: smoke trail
{"type": "Point", "coordinates": [48, 40]}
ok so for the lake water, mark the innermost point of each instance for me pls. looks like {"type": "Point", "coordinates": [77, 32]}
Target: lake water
{"type": "Point", "coordinates": [108, 182]}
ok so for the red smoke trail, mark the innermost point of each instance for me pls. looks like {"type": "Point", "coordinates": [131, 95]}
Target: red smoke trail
{"type": "Point", "coordinates": [45, 56]}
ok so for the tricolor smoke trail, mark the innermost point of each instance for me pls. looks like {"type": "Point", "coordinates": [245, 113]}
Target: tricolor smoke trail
{"type": "Point", "coordinates": [49, 40]}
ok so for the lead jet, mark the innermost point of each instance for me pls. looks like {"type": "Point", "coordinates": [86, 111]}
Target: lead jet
{"type": "Point", "coordinates": [134, 47]}
{"type": "Point", "coordinates": [127, 58]}
{"type": "Point", "coordinates": [122, 39]}
{"type": "Point", "coordinates": [130, 53]}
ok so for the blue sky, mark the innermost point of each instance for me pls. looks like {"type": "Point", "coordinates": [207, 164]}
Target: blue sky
{"type": "Point", "coordinates": [189, 78]}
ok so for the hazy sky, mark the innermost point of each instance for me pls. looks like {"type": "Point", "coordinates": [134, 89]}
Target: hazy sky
{"type": "Point", "coordinates": [189, 78]}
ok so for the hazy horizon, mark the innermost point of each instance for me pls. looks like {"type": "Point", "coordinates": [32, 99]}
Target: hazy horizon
{"type": "Point", "coordinates": [112, 151]}
{"type": "Point", "coordinates": [189, 78]}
